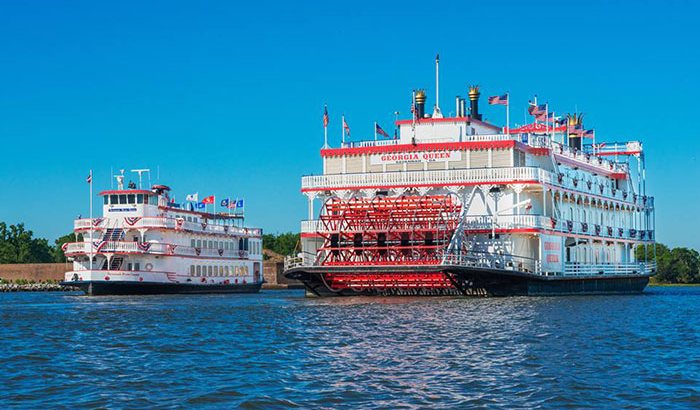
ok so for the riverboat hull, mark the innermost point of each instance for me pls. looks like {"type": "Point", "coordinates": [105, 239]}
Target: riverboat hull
{"type": "Point", "coordinates": [102, 288]}
{"type": "Point", "coordinates": [458, 281]}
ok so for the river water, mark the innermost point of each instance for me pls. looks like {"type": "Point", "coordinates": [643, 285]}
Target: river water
{"type": "Point", "coordinates": [279, 349]}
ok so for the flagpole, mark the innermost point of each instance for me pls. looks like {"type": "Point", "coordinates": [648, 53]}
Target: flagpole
{"type": "Point", "coordinates": [375, 131]}
{"type": "Point", "coordinates": [325, 136]}
{"type": "Point", "coordinates": [91, 224]}
{"type": "Point", "coordinates": [342, 125]}
{"type": "Point", "coordinates": [508, 113]}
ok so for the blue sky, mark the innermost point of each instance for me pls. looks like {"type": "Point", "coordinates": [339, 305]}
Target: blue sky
{"type": "Point", "coordinates": [227, 98]}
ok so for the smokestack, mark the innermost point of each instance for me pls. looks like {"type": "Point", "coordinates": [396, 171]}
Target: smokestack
{"type": "Point", "coordinates": [420, 104]}
{"type": "Point", "coordinates": [574, 128]}
{"type": "Point", "coordinates": [474, 102]}
{"type": "Point", "coordinates": [462, 107]}
{"type": "Point", "coordinates": [458, 101]}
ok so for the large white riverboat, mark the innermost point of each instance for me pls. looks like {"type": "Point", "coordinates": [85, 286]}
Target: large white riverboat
{"type": "Point", "coordinates": [144, 243]}
{"type": "Point", "coordinates": [454, 205]}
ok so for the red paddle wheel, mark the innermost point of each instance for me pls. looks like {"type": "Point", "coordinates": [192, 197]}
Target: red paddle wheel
{"type": "Point", "coordinates": [387, 231]}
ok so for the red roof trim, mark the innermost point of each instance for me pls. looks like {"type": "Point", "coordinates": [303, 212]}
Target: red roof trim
{"type": "Point", "coordinates": [430, 146]}
{"type": "Point", "coordinates": [127, 191]}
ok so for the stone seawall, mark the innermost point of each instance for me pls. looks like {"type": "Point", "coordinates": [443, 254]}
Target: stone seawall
{"type": "Point", "coordinates": [34, 272]}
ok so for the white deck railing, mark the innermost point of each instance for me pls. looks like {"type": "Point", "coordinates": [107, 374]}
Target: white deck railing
{"type": "Point", "coordinates": [453, 177]}
{"type": "Point", "coordinates": [152, 222]}
{"type": "Point", "coordinates": [126, 247]}
{"type": "Point", "coordinates": [525, 222]}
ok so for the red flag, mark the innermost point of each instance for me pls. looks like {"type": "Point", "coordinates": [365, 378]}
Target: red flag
{"type": "Point", "coordinates": [208, 200]}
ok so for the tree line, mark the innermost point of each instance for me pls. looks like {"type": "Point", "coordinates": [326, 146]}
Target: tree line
{"type": "Point", "coordinates": [18, 245]}
{"type": "Point", "coordinates": [677, 265]}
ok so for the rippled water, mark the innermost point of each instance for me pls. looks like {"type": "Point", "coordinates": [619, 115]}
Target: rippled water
{"type": "Point", "coordinates": [279, 349]}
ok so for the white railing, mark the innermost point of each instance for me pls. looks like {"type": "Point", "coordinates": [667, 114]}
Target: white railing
{"type": "Point", "coordinates": [150, 248]}
{"type": "Point", "coordinates": [475, 175]}
{"type": "Point", "coordinates": [360, 144]}
{"type": "Point", "coordinates": [492, 261]}
{"type": "Point", "coordinates": [452, 176]}
{"type": "Point", "coordinates": [300, 260]}
{"type": "Point", "coordinates": [494, 137]}
{"type": "Point", "coordinates": [153, 222]}
{"type": "Point", "coordinates": [311, 226]}
{"type": "Point", "coordinates": [604, 269]}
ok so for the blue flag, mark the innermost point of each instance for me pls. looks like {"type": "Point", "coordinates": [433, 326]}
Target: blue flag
{"type": "Point", "coordinates": [224, 202]}
{"type": "Point", "coordinates": [239, 204]}
{"type": "Point", "coordinates": [199, 205]}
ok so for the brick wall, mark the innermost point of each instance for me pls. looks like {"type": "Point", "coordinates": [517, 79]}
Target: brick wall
{"type": "Point", "coordinates": [34, 271]}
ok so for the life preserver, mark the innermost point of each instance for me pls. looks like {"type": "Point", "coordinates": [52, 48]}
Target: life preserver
{"type": "Point", "coordinates": [149, 267]}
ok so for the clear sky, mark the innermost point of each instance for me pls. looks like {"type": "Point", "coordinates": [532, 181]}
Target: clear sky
{"type": "Point", "coordinates": [226, 97]}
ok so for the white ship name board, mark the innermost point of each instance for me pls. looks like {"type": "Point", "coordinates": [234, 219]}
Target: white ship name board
{"type": "Point", "coordinates": [404, 157]}
{"type": "Point", "coordinates": [552, 246]}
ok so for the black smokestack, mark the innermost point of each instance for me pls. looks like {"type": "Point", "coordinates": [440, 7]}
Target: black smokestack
{"type": "Point", "coordinates": [420, 104]}
{"type": "Point", "coordinates": [474, 102]}
{"type": "Point", "coordinates": [574, 128]}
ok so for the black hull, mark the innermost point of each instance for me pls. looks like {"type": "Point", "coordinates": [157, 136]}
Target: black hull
{"type": "Point", "coordinates": [102, 288]}
{"type": "Point", "coordinates": [474, 282]}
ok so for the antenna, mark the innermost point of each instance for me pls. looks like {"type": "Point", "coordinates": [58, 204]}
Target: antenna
{"type": "Point", "coordinates": [436, 110]}
{"type": "Point", "coordinates": [140, 172]}
{"type": "Point", "coordinates": [120, 180]}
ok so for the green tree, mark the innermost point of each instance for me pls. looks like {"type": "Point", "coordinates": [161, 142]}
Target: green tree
{"type": "Point", "coordinates": [58, 255]}
{"type": "Point", "coordinates": [284, 244]}
{"type": "Point", "coordinates": [677, 265]}
{"type": "Point", "coordinates": [17, 245]}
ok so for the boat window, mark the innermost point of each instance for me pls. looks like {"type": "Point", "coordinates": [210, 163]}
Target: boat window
{"type": "Point", "coordinates": [113, 199]}
{"type": "Point", "coordinates": [245, 244]}
{"type": "Point", "coordinates": [211, 244]}
{"type": "Point", "coordinates": [139, 198]}
{"type": "Point", "coordinates": [199, 243]}
{"type": "Point", "coordinates": [122, 199]}
{"type": "Point", "coordinates": [192, 243]}
{"type": "Point", "coordinates": [199, 270]}
{"type": "Point", "coordinates": [216, 271]}
{"type": "Point", "coordinates": [152, 200]}
{"type": "Point", "coordinates": [106, 199]}
{"type": "Point", "coordinates": [130, 198]}
{"type": "Point", "coordinates": [191, 270]}
{"type": "Point", "coordinates": [208, 270]}
{"type": "Point", "coordinates": [137, 266]}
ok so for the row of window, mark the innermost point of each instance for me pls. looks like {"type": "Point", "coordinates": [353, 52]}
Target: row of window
{"type": "Point", "coordinates": [243, 244]}
{"type": "Point", "coordinates": [126, 199]}
{"type": "Point", "coordinates": [219, 270]}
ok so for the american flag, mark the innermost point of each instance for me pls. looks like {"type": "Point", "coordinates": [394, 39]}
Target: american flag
{"type": "Point", "coordinates": [575, 129]}
{"type": "Point", "coordinates": [325, 116]}
{"type": "Point", "coordinates": [380, 131]}
{"type": "Point", "coordinates": [499, 99]}
{"type": "Point", "coordinates": [346, 126]}
{"type": "Point", "coordinates": [588, 133]}
{"type": "Point", "coordinates": [535, 109]}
